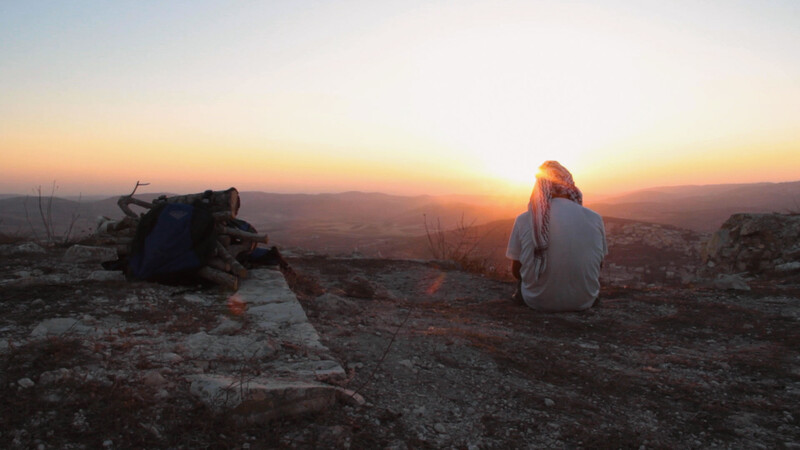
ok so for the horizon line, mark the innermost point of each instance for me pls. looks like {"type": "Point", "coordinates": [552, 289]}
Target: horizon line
{"type": "Point", "coordinates": [627, 192]}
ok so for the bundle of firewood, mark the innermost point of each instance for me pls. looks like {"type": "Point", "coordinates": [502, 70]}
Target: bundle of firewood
{"type": "Point", "coordinates": [222, 268]}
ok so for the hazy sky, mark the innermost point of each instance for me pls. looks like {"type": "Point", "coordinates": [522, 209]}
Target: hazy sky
{"type": "Point", "coordinates": [401, 97]}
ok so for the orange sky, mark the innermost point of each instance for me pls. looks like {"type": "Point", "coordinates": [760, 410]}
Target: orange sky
{"type": "Point", "coordinates": [398, 97]}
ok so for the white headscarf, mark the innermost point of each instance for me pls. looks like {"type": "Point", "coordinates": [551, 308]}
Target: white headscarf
{"type": "Point", "coordinates": [553, 180]}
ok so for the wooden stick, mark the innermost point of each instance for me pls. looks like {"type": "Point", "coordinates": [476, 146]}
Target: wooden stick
{"type": "Point", "coordinates": [236, 267]}
{"type": "Point", "coordinates": [222, 251]}
{"type": "Point", "coordinates": [238, 249]}
{"type": "Point", "coordinates": [107, 226]}
{"type": "Point", "coordinates": [138, 183]}
{"type": "Point", "coordinates": [218, 201]}
{"type": "Point", "coordinates": [126, 200]}
{"type": "Point", "coordinates": [224, 240]}
{"type": "Point", "coordinates": [219, 264]}
{"type": "Point", "coordinates": [222, 216]}
{"type": "Point", "coordinates": [122, 249]}
{"type": "Point", "coordinates": [219, 277]}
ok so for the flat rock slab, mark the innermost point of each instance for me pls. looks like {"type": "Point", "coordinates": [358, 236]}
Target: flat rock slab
{"type": "Point", "coordinates": [291, 385]}
{"type": "Point", "coordinates": [59, 326]}
{"type": "Point", "coordinates": [268, 302]}
{"type": "Point", "coordinates": [265, 286]}
{"type": "Point", "coordinates": [263, 399]}
{"type": "Point", "coordinates": [85, 253]}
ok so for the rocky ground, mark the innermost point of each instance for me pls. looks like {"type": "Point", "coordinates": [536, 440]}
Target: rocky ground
{"type": "Point", "coordinates": [446, 360]}
{"type": "Point", "coordinates": [442, 357]}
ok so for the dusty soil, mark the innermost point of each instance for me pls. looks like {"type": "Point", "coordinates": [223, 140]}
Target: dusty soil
{"type": "Point", "coordinates": [445, 359]}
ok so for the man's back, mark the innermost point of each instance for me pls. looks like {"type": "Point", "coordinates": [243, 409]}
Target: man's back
{"type": "Point", "coordinates": [576, 249]}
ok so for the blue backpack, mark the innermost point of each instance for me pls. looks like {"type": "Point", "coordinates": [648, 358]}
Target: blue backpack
{"type": "Point", "coordinates": [172, 240]}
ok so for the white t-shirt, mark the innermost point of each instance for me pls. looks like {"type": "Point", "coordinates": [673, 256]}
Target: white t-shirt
{"type": "Point", "coordinates": [571, 281]}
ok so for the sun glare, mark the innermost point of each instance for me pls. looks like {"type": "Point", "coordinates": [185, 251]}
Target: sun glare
{"type": "Point", "coordinates": [510, 104]}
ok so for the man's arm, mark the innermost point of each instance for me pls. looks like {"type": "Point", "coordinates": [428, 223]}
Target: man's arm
{"type": "Point", "coordinates": [515, 267]}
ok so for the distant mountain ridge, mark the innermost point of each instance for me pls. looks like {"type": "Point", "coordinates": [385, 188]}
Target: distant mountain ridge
{"type": "Point", "coordinates": [350, 218]}
{"type": "Point", "coordinates": [701, 208]}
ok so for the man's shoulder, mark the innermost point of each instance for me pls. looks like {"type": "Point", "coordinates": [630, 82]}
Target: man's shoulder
{"type": "Point", "coordinates": [519, 228]}
{"type": "Point", "coordinates": [524, 217]}
{"type": "Point", "coordinates": [593, 214]}
{"type": "Point", "coordinates": [577, 209]}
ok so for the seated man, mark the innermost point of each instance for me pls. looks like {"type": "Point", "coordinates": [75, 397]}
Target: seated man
{"type": "Point", "coordinates": [557, 246]}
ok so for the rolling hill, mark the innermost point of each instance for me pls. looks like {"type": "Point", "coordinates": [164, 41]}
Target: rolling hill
{"type": "Point", "coordinates": [701, 208]}
{"type": "Point", "coordinates": [346, 221]}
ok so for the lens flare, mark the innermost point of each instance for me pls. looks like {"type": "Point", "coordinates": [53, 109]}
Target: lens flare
{"type": "Point", "coordinates": [235, 305]}
{"type": "Point", "coordinates": [436, 285]}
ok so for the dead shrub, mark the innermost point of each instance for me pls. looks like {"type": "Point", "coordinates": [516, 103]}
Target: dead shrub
{"type": "Point", "coordinates": [44, 205]}
{"type": "Point", "coordinates": [459, 245]}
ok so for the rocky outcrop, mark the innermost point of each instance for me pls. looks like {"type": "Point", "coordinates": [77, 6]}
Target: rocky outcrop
{"type": "Point", "coordinates": [756, 243]}
{"type": "Point", "coordinates": [645, 254]}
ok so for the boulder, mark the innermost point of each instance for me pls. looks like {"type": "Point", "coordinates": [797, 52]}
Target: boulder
{"type": "Point", "coordinates": [358, 287]}
{"type": "Point", "coordinates": [755, 243]}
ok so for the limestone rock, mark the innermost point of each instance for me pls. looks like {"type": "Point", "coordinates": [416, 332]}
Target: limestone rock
{"type": "Point", "coordinates": [358, 287]}
{"type": "Point", "coordinates": [755, 243]}
{"type": "Point", "coordinates": [226, 326]}
{"type": "Point", "coordinates": [106, 275]}
{"type": "Point", "coordinates": [85, 253]}
{"type": "Point", "coordinates": [55, 376]}
{"type": "Point", "coordinates": [59, 326]}
{"type": "Point", "coordinates": [153, 378]}
{"type": "Point", "coordinates": [788, 267]}
{"type": "Point", "coordinates": [262, 400]}
{"type": "Point", "coordinates": [21, 249]}
{"type": "Point", "coordinates": [725, 281]}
